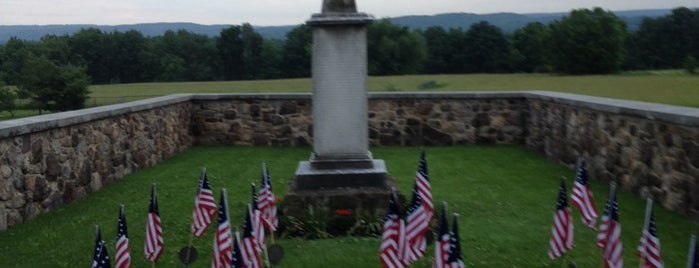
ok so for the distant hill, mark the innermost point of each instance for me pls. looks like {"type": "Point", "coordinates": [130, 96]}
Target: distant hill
{"type": "Point", "coordinates": [508, 22]}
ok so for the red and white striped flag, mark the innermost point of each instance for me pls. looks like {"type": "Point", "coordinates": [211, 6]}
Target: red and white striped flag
{"type": "Point", "coordinates": [393, 244]}
{"type": "Point", "coordinates": [257, 222]}
{"type": "Point", "coordinates": [582, 196]}
{"type": "Point", "coordinates": [251, 255]}
{"type": "Point", "coordinates": [649, 246]}
{"type": "Point", "coordinates": [562, 229]}
{"type": "Point", "coordinates": [441, 247]}
{"type": "Point", "coordinates": [154, 230]}
{"type": "Point", "coordinates": [416, 226]}
{"type": "Point", "coordinates": [266, 202]}
{"type": "Point", "coordinates": [611, 252]}
{"type": "Point", "coordinates": [223, 240]}
{"type": "Point", "coordinates": [204, 206]}
{"type": "Point", "coordinates": [606, 217]}
{"type": "Point", "coordinates": [123, 258]}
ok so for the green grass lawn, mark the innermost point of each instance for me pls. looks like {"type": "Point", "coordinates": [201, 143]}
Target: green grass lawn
{"type": "Point", "coordinates": [506, 197]}
{"type": "Point", "coordinates": [673, 88]}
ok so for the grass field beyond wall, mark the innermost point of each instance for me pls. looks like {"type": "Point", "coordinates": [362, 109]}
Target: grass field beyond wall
{"type": "Point", "coordinates": [506, 197]}
{"type": "Point", "coordinates": [663, 87]}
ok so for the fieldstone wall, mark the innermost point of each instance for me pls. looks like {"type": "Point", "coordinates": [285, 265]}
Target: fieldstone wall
{"type": "Point", "coordinates": [646, 149]}
{"type": "Point", "coordinates": [394, 119]}
{"type": "Point", "coordinates": [51, 160]}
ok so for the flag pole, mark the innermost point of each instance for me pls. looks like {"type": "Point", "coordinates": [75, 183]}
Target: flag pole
{"type": "Point", "coordinates": [649, 208]}
{"type": "Point", "coordinates": [690, 255]}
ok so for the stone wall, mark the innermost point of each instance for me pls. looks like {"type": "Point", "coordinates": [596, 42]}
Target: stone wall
{"type": "Point", "coordinates": [51, 160]}
{"type": "Point", "coordinates": [647, 149]}
{"type": "Point", "coordinates": [394, 119]}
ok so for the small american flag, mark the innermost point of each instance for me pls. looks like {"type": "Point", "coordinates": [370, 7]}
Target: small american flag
{"type": "Point", "coordinates": [441, 248]}
{"type": "Point", "coordinates": [257, 222]}
{"type": "Point", "coordinates": [693, 256]}
{"type": "Point", "coordinates": [393, 244]}
{"type": "Point", "coordinates": [649, 246]}
{"type": "Point", "coordinates": [422, 180]}
{"type": "Point", "coordinates": [204, 206]}
{"type": "Point", "coordinates": [223, 241]}
{"type": "Point", "coordinates": [455, 260]}
{"type": "Point", "coordinates": [154, 230]}
{"type": "Point", "coordinates": [611, 252]}
{"type": "Point", "coordinates": [606, 216]}
{"type": "Point", "coordinates": [582, 196]}
{"type": "Point", "coordinates": [266, 202]}
{"type": "Point", "coordinates": [123, 258]}
{"type": "Point", "coordinates": [237, 260]}
{"type": "Point", "coordinates": [100, 258]}
{"type": "Point", "coordinates": [416, 226]}
{"type": "Point", "coordinates": [562, 229]}
{"type": "Point", "coordinates": [251, 255]}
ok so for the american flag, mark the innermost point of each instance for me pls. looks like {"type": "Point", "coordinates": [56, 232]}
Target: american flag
{"type": "Point", "coordinates": [204, 206]}
{"type": "Point", "coordinates": [441, 248]}
{"type": "Point", "coordinates": [100, 259]}
{"type": "Point", "coordinates": [611, 252]}
{"type": "Point", "coordinates": [422, 180]}
{"type": "Point", "coordinates": [237, 260]}
{"type": "Point", "coordinates": [393, 245]}
{"type": "Point", "coordinates": [257, 221]}
{"type": "Point", "coordinates": [416, 226]}
{"type": "Point", "coordinates": [562, 229]}
{"type": "Point", "coordinates": [604, 224]}
{"type": "Point", "coordinates": [266, 202]}
{"type": "Point", "coordinates": [251, 255]}
{"type": "Point", "coordinates": [154, 230]}
{"type": "Point", "coordinates": [123, 258]}
{"type": "Point", "coordinates": [582, 196]}
{"type": "Point", "coordinates": [693, 256]}
{"type": "Point", "coordinates": [455, 260]}
{"type": "Point", "coordinates": [649, 246]}
{"type": "Point", "coordinates": [223, 241]}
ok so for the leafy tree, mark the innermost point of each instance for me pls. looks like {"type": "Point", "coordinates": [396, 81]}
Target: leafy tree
{"type": "Point", "coordinates": [444, 50]}
{"type": "Point", "coordinates": [230, 51]}
{"type": "Point", "coordinates": [8, 98]}
{"type": "Point", "coordinates": [54, 87]}
{"type": "Point", "coordinates": [531, 44]}
{"type": "Point", "coordinates": [296, 53]}
{"type": "Point", "coordinates": [14, 54]}
{"type": "Point", "coordinates": [197, 51]}
{"type": "Point", "coordinates": [394, 49]}
{"type": "Point", "coordinates": [588, 42]}
{"type": "Point", "coordinates": [665, 42]}
{"type": "Point", "coordinates": [252, 51]}
{"type": "Point", "coordinates": [486, 49]}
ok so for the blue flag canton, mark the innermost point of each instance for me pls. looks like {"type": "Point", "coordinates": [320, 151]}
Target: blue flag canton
{"type": "Point", "coordinates": [422, 166]}
{"type": "Point", "coordinates": [254, 198]}
{"type": "Point", "coordinates": [100, 258]}
{"type": "Point", "coordinates": [651, 225]}
{"type": "Point", "coordinates": [247, 224]}
{"type": "Point", "coordinates": [393, 211]}
{"type": "Point", "coordinates": [581, 173]}
{"type": "Point", "coordinates": [222, 209]}
{"type": "Point", "coordinates": [454, 244]}
{"type": "Point", "coordinates": [153, 206]}
{"type": "Point", "coordinates": [562, 202]}
{"type": "Point", "coordinates": [121, 226]}
{"type": "Point", "coordinates": [614, 209]}
{"type": "Point", "coordinates": [237, 256]}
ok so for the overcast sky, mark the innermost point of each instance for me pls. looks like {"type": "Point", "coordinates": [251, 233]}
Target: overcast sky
{"type": "Point", "coordinates": [277, 12]}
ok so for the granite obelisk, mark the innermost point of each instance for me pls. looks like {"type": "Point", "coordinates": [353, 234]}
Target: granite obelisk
{"type": "Point", "coordinates": [341, 172]}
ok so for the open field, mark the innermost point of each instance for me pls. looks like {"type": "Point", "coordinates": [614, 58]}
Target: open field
{"type": "Point", "coordinates": [506, 213]}
{"type": "Point", "coordinates": [667, 87]}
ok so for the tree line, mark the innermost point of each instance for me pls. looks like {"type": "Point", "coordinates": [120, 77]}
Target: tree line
{"type": "Point", "coordinates": [586, 41]}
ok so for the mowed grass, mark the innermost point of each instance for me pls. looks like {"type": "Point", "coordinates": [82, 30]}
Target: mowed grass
{"type": "Point", "coordinates": [673, 88]}
{"type": "Point", "coordinates": [505, 195]}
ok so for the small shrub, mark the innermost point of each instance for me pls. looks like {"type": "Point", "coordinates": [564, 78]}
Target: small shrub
{"type": "Point", "coordinates": [430, 85]}
{"type": "Point", "coordinates": [8, 98]}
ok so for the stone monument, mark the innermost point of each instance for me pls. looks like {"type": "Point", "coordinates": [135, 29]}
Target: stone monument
{"type": "Point", "coordinates": [341, 173]}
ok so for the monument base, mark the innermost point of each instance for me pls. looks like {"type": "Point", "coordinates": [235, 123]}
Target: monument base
{"type": "Point", "coordinates": [360, 191]}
